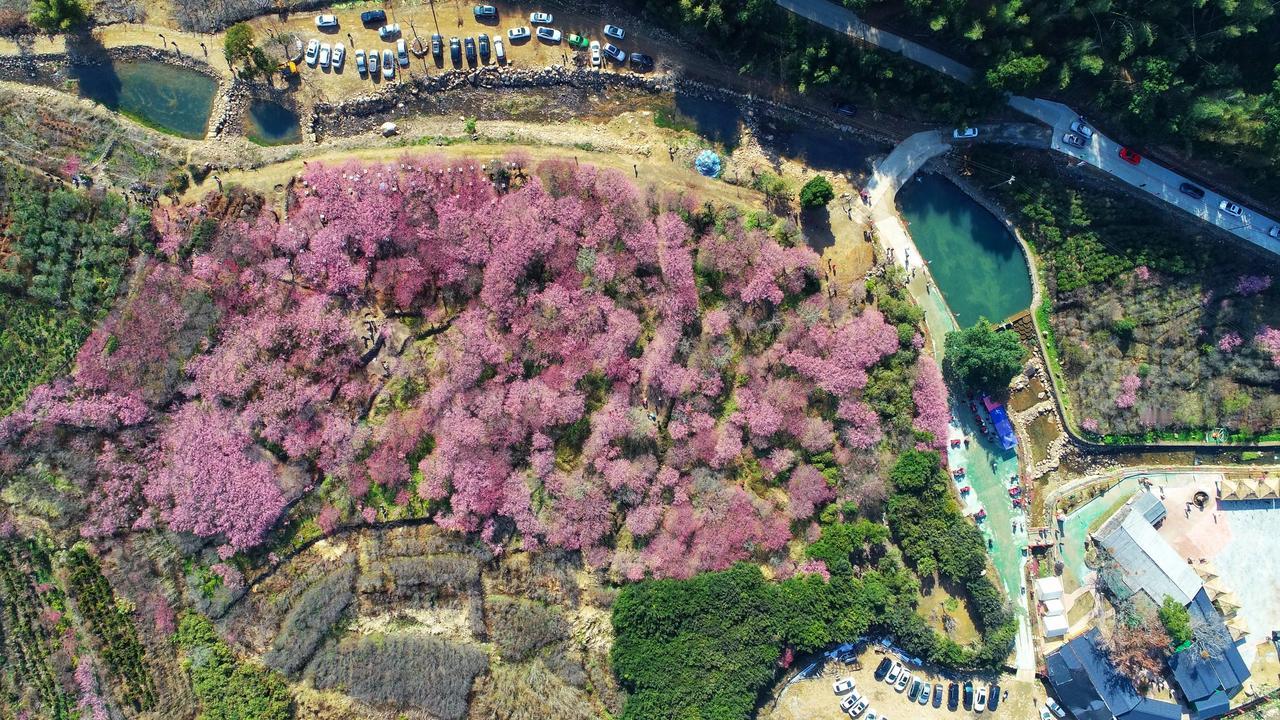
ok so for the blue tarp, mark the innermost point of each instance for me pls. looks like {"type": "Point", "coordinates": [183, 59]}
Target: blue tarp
{"type": "Point", "coordinates": [1199, 677]}
{"type": "Point", "coordinates": [1004, 429]}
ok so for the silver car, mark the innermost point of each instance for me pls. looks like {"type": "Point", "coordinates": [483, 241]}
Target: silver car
{"type": "Point", "coordinates": [1073, 140]}
{"type": "Point", "coordinates": [388, 64]}
{"type": "Point", "coordinates": [1225, 206]}
{"type": "Point", "coordinates": [540, 18]}
{"type": "Point", "coordinates": [1081, 129]}
{"type": "Point", "coordinates": [402, 53]}
{"type": "Point", "coordinates": [519, 33]}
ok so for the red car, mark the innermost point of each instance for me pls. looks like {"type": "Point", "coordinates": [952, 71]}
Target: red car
{"type": "Point", "coordinates": [1130, 156]}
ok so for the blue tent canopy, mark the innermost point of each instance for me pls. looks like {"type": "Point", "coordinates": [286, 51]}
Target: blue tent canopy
{"type": "Point", "coordinates": [1004, 429]}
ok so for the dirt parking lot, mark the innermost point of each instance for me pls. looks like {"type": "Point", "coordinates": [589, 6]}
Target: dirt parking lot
{"type": "Point", "coordinates": [813, 699]}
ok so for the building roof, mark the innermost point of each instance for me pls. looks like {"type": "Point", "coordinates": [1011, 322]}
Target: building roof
{"type": "Point", "coordinates": [1145, 560]}
{"type": "Point", "coordinates": [1048, 588]}
{"type": "Point", "coordinates": [1055, 625]}
{"type": "Point", "coordinates": [1200, 677]}
{"type": "Point", "coordinates": [1150, 507]}
{"type": "Point", "coordinates": [1086, 682]}
{"type": "Point", "coordinates": [1150, 709]}
{"type": "Point", "coordinates": [1216, 705]}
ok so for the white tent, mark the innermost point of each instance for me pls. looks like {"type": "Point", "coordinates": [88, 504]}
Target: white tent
{"type": "Point", "coordinates": [1054, 625]}
{"type": "Point", "coordinates": [1054, 606]}
{"type": "Point", "coordinates": [1048, 588]}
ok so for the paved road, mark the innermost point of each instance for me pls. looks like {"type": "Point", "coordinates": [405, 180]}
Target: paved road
{"type": "Point", "coordinates": [1101, 152]}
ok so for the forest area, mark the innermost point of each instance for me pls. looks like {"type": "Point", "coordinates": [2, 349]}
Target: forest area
{"type": "Point", "coordinates": [1198, 80]}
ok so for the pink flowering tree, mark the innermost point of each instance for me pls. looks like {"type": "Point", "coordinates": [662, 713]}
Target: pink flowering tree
{"type": "Point", "coordinates": [933, 413]}
{"type": "Point", "coordinates": [1128, 391]}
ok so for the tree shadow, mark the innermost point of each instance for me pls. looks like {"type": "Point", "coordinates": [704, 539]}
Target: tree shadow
{"type": "Point", "coordinates": [815, 223]}
{"type": "Point", "coordinates": [89, 63]}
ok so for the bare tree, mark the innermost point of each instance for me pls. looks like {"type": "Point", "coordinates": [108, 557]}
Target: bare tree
{"type": "Point", "coordinates": [1138, 650]}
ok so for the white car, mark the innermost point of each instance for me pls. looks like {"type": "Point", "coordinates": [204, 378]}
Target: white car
{"type": "Point", "coordinates": [595, 53]}
{"type": "Point", "coordinates": [386, 32]}
{"type": "Point", "coordinates": [326, 21]}
{"type": "Point", "coordinates": [373, 63]}
{"type": "Point", "coordinates": [551, 35]}
{"type": "Point", "coordinates": [339, 55]}
{"type": "Point", "coordinates": [325, 52]}
{"type": "Point", "coordinates": [894, 672]}
{"type": "Point", "coordinates": [856, 710]}
{"type": "Point", "coordinates": [540, 18]}
{"type": "Point", "coordinates": [499, 51]}
{"type": "Point", "coordinates": [402, 53]}
{"type": "Point", "coordinates": [520, 33]}
{"type": "Point", "coordinates": [903, 680]}
{"type": "Point", "coordinates": [614, 53]}
{"type": "Point", "coordinates": [1055, 707]}
{"type": "Point", "coordinates": [1083, 130]}
{"type": "Point", "coordinates": [980, 702]}
{"type": "Point", "coordinates": [1274, 231]}
{"type": "Point", "coordinates": [842, 685]}
{"type": "Point", "coordinates": [964, 133]}
{"type": "Point", "coordinates": [848, 703]}
{"type": "Point", "coordinates": [361, 66]}
{"type": "Point", "coordinates": [388, 64]}
{"type": "Point", "coordinates": [1231, 208]}
{"type": "Point", "coordinates": [614, 32]}
{"type": "Point", "coordinates": [1045, 714]}
{"type": "Point", "coordinates": [313, 51]}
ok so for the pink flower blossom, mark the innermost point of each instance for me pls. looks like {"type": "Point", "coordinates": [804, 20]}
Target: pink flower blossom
{"type": "Point", "coordinates": [1252, 284]}
{"type": "Point", "coordinates": [933, 413]}
{"type": "Point", "coordinates": [1129, 391]}
{"type": "Point", "coordinates": [1229, 342]}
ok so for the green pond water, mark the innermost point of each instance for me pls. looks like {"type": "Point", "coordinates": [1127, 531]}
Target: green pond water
{"type": "Point", "coordinates": [974, 259]}
{"type": "Point", "coordinates": [171, 98]}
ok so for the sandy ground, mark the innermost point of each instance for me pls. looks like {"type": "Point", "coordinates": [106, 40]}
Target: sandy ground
{"type": "Point", "coordinates": [1194, 532]}
{"type": "Point", "coordinates": [813, 699]}
{"type": "Point", "coordinates": [1249, 565]}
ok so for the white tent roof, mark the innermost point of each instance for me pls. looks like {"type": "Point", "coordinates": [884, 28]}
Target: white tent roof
{"type": "Point", "coordinates": [1048, 588]}
{"type": "Point", "coordinates": [1054, 625]}
{"type": "Point", "coordinates": [1054, 606]}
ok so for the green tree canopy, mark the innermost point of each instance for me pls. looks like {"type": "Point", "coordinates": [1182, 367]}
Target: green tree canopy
{"type": "Point", "coordinates": [817, 192]}
{"type": "Point", "coordinates": [57, 15]}
{"type": "Point", "coordinates": [1176, 620]}
{"type": "Point", "coordinates": [981, 358]}
{"type": "Point", "coordinates": [237, 44]}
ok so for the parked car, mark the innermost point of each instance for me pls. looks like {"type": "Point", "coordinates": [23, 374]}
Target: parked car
{"type": "Point", "coordinates": [968, 695]}
{"type": "Point", "coordinates": [614, 32]}
{"type": "Point", "coordinates": [551, 35]}
{"type": "Point", "coordinates": [953, 696]}
{"type": "Point", "coordinates": [903, 679]}
{"type": "Point", "coordinates": [483, 42]}
{"type": "Point", "coordinates": [1274, 231]}
{"type": "Point", "coordinates": [437, 46]}
{"type": "Point", "coordinates": [846, 109]}
{"type": "Point", "coordinates": [373, 17]}
{"type": "Point", "coordinates": [402, 53]}
{"type": "Point", "coordinates": [848, 703]}
{"type": "Point", "coordinates": [614, 53]}
{"type": "Point", "coordinates": [388, 65]}
{"type": "Point", "coordinates": [925, 691]}
{"type": "Point", "coordinates": [1191, 190]}
{"type": "Point", "coordinates": [576, 40]}
{"type": "Point", "coordinates": [964, 133]}
{"type": "Point", "coordinates": [386, 32]}
{"type": "Point", "coordinates": [519, 33]}
{"type": "Point", "coordinates": [499, 51]}
{"type": "Point", "coordinates": [1073, 140]}
{"type": "Point", "coordinates": [373, 63]}
{"type": "Point", "coordinates": [641, 62]}
{"type": "Point", "coordinates": [1082, 130]}
{"type": "Point", "coordinates": [980, 705]}
{"type": "Point", "coordinates": [1225, 206]}
{"type": "Point", "coordinates": [937, 694]}
{"type": "Point", "coordinates": [540, 18]}
{"type": "Point", "coordinates": [485, 12]}
{"type": "Point", "coordinates": [339, 55]}
{"type": "Point", "coordinates": [993, 697]}
{"type": "Point", "coordinates": [894, 673]}
{"type": "Point", "coordinates": [1055, 707]}
{"type": "Point", "coordinates": [325, 52]}
{"type": "Point", "coordinates": [595, 53]}
{"type": "Point", "coordinates": [883, 669]}
{"type": "Point", "coordinates": [327, 21]}
{"type": "Point", "coordinates": [455, 51]}
{"type": "Point", "coordinates": [857, 709]}
{"type": "Point", "coordinates": [313, 51]}
{"type": "Point", "coordinates": [914, 692]}
{"type": "Point", "coordinates": [843, 685]}
{"type": "Point", "coordinates": [1045, 714]}
{"type": "Point", "coordinates": [361, 66]}
{"type": "Point", "coordinates": [469, 49]}
{"type": "Point", "coordinates": [1130, 156]}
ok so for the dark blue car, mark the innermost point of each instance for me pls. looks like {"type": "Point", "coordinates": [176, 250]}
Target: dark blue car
{"type": "Point", "coordinates": [373, 17]}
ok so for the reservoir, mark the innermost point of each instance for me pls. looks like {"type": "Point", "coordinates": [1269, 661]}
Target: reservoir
{"type": "Point", "coordinates": [168, 97]}
{"type": "Point", "coordinates": [974, 259]}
